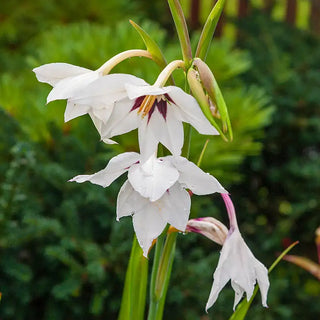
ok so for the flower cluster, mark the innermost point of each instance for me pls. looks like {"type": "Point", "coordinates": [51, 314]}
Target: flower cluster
{"type": "Point", "coordinates": [155, 193]}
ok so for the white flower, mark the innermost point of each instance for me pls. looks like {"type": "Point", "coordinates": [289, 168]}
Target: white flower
{"type": "Point", "coordinates": [76, 84]}
{"type": "Point", "coordinates": [158, 113]}
{"type": "Point", "coordinates": [155, 191]}
{"type": "Point", "coordinates": [238, 264]}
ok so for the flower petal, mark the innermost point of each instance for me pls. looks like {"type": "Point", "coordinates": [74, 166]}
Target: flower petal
{"type": "Point", "coordinates": [69, 87]}
{"type": "Point", "coordinates": [74, 110]}
{"type": "Point", "coordinates": [169, 132]}
{"type": "Point", "coordinates": [153, 177]}
{"type": "Point", "coordinates": [52, 73]}
{"type": "Point", "coordinates": [135, 91]}
{"type": "Point", "coordinates": [177, 203]}
{"type": "Point", "coordinates": [106, 89]}
{"type": "Point", "coordinates": [121, 120]}
{"type": "Point", "coordinates": [192, 177]}
{"type": "Point", "coordinates": [115, 168]}
{"type": "Point", "coordinates": [148, 223]}
{"type": "Point", "coordinates": [148, 143]}
{"type": "Point", "coordinates": [129, 201]}
{"type": "Point", "coordinates": [190, 111]}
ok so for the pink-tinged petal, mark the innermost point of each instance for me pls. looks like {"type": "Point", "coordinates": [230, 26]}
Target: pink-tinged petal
{"type": "Point", "coordinates": [52, 73]}
{"type": "Point", "coordinates": [210, 228]}
{"type": "Point", "coordinates": [176, 203]}
{"type": "Point", "coordinates": [135, 91]}
{"type": "Point", "coordinates": [192, 177]}
{"type": "Point", "coordinates": [115, 168]}
{"type": "Point", "coordinates": [190, 112]}
{"type": "Point", "coordinates": [153, 177]}
{"type": "Point", "coordinates": [238, 264]}
{"type": "Point", "coordinates": [70, 87]}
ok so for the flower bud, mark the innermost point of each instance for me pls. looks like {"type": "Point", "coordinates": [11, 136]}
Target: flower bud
{"type": "Point", "coordinates": [209, 227]}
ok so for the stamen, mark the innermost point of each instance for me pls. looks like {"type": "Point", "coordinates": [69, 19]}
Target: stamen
{"type": "Point", "coordinates": [146, 105]}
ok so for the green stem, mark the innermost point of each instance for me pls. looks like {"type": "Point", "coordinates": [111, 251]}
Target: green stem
{"type": "Point", "coordinates": [133, 304]}
{"type": "Point", "coordinates": [182, 30]}
{"type": "Point", "coordinates": [162, 278]}
{"type": "Point", "coordinates": [156, 260]}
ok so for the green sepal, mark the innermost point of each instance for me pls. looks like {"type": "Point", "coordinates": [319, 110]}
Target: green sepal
{"type": "Point", "coordinates": [244, 306]}
{"type": "Point", "coordinates": [208, 30]}
{"type": "Point", "coordinates": [182, 30]}
{"type": "Point", "coordinates": [151, 46]}
{"type": "Point", "coordinates": [202, 100]}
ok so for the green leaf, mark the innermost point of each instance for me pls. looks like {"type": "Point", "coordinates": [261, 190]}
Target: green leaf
{"type": "Point", "coordinates": [208, 30]}
{"type": "Point", "coordinates": [244, 306]}
{"type": "Point", "coordinates": [151, 46]}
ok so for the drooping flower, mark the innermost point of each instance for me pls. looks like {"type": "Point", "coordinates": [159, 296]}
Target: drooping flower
{"type": "Point", "coordinates": [155, 191]}
{"type": "Point", "coordinates": [238, 264]}
{"type": "Point", "coordinates": [75, 84]}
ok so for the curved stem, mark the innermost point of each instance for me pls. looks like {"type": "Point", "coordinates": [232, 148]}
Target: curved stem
{"type": "Point", "coordinates": [111, 63]}
{"type": "Point", "coordinates": [167, 71]}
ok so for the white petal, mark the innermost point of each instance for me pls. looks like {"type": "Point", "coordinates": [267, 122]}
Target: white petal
{"type": "Point", "coordinates": [238, 294]}
{"type": "Point", "coordinates": [129, 201]}
{"type": "Point", "coordinates": [148, 143]}
{"type": "Point", "coordinates": [195, 179]}
{"type": "Point", "coordinates": [152, 178]}
{"type": "Point", "coordinates": [115, 168]}
{"type": "Point", "coordinates": [220, 280]}
{"type": "Point", "coordinates": [54, 72]}
{"type": "Point", "coordinates": [148, 224]}
{"type": "Point", "coordinates": [190, 112]}
{"type": "Point", "coordinates": [135, 91]}
{"type": "Point", "coordinates": [121, 120]}
{"type": "Point", "coordinates": [263, 281]}
{"type": "Point", "coordinates": [70, 87]}
{"type": "Point", "coordinates": [106, 89]}
{"type": "Point", "coordinates": [169, 132]}
{"type": "Point", "coordinates": [176, 203]}
{"type": "Point", "coordinates": [74, 110]}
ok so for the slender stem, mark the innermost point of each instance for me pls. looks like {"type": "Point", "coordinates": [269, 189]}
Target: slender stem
{"type": "Point", "coordinates": [163, 277]}
{"type": "Point", "coordinates": [182, 30]}
{"type": "Point", "coordinates": [111, 63]}
{"type": "Point", "coordinates": [133, 304]}
{"type": "Point", "coordinates": [156, 260]}
{"type": "Point", "coordinates": [167, 71]}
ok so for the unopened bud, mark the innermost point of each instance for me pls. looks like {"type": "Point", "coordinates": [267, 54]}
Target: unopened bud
{"type": "Point", "coordinates": [209, 227]}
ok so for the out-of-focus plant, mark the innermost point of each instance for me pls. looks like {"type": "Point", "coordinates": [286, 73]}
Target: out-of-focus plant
{"type": "Point", "coordinates": [305, 263]}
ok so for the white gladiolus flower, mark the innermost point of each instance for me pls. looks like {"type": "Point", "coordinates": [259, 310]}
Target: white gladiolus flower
{"type": "Point", "coordinates": [155, 191]}
{"type": "Point", "coordinates": [158, 113]}
{"type": "Point", "coordinates": [238, 264]}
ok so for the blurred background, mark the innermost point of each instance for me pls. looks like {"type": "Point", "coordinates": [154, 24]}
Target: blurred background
{"type": "Point", "coordinates": [62, 254]}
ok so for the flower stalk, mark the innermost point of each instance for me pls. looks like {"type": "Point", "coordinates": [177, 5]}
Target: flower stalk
{"type": "Point", "coordinates": [114, 61]}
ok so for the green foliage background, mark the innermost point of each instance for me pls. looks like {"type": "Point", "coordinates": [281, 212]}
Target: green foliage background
{"type": "Point", "coordinates": [62, 254]}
